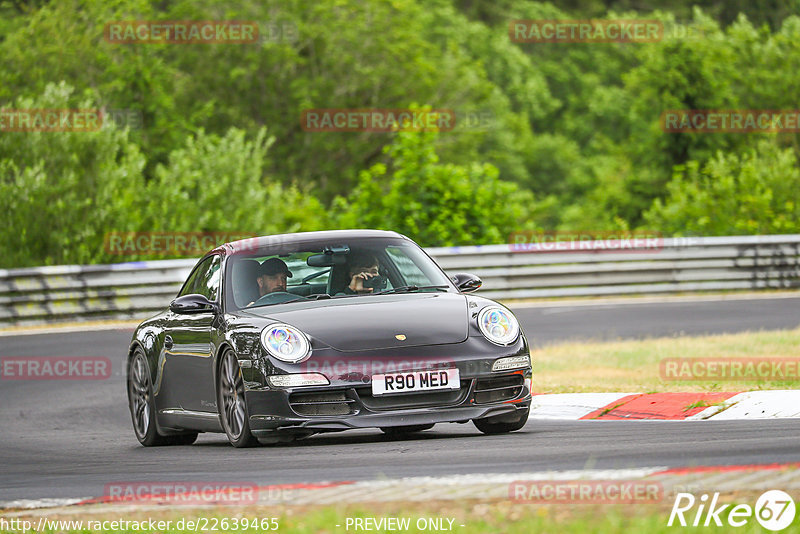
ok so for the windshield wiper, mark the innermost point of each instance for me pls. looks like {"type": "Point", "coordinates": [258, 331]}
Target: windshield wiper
{"type": "Point", "coordinates": [408, 289]}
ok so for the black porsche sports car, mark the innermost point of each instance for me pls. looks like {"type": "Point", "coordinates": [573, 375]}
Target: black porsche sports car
{"type": "Point", "coordinates": [280, 337]}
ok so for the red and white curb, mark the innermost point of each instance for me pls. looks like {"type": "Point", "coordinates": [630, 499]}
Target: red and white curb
{"type": "Point", "coordinates": [549, 487]}
{"type": "Point", "coordinates": [774, 404]}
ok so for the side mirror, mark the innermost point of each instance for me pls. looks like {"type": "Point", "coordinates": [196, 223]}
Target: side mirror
{"type": "Point", "coordinates": [465, 282]}
{"type": "Point", "coordinates": [193, 303]}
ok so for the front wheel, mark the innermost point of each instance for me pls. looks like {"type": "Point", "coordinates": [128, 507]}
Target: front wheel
{"type": "Point", "coordinates": [491, 425]}
{"type": "Point", "coordinates": [140, 402]}
{"type": "Point", "coordinates": [230, 399]}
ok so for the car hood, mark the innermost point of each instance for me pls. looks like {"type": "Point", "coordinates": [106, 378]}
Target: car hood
{"type": "Point", "coordinates": [372, 322]}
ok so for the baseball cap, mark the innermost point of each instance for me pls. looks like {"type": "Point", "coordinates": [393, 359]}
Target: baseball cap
{"type": "Point", "coordinates": [274, 266]}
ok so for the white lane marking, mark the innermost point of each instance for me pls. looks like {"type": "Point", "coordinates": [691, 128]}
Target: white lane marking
{"type": "Point", "coordinates": [30, 504]}
{"type": "Point", "coordinates": [570, 405]}
{"type": "Point", "coordinates": [389, 489]}
{"type": "Point", "coordinates": [449, 487]}
{"type": "Point", "coordinates": [767, 404]}
{"type": "Point", "coordinates": [502, 478]}
{"type": "Point", "coordinates": [713, 410]}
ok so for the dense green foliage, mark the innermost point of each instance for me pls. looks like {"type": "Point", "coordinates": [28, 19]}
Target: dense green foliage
{"type": "Point", "coordinates": [575, 140]}
{"type": "Point", "coordinates": [440, 204]}
{"type": "Point", "coordinates": [752, 193]}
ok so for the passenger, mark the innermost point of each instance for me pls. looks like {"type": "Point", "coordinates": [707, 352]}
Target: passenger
{"type": "Point", "coordinates": [362, 267]}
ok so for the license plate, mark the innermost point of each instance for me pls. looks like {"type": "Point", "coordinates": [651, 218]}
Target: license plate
{"type": "Point", "coordinates": [440, 379]}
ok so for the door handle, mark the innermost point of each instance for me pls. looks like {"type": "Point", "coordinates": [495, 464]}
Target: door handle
{"type": "Point", "coordinates": [168, 342]}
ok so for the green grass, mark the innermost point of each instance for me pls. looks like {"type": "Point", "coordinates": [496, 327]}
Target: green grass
{"type": "Point", "coordinates": [633, 366]}
{"type": "Point", "coordinates": [697, 404]}
{"type": "Point", "coordinates": [476, 517]}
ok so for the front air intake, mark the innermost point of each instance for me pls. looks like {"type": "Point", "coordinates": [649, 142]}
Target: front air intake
{"type": "Point", "coordinates": [502, 388]}
{"type": "Point", "coordinates": [322, 403]}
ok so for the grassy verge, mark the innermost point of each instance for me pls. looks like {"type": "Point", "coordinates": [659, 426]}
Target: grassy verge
{"type": "Point", "coordinates": [633, 366]}
{"type": "Point", "coordinates": [463, 517]}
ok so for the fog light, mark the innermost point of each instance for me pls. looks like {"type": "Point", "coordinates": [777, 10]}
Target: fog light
{"type": "Point", "coordinates": [296, 380]}
{"type": "Point", "coordinates": [512, 362]}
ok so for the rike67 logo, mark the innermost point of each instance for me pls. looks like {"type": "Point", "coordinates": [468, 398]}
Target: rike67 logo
{"type": "Point", "coordinates": [774, 510]}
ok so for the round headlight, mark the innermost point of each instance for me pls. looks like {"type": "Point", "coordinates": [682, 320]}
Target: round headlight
{"type": "Point", "coordinates": [498, 325]}
{"type": "Point", "coordinates": [286, 343]}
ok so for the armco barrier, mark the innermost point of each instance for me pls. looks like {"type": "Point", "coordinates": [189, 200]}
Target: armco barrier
{"type": "Point", "coordinates": [138, 289]}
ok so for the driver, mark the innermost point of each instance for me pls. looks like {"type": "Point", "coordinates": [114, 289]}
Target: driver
{"type": "Point", "coordinates": [272, 276]}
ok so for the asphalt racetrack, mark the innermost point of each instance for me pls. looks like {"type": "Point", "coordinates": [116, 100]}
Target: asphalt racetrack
{"type": "Point", "coordinates": [69, 439]}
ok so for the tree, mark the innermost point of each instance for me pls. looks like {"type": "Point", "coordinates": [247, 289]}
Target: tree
{"type": "Point", "coordinates": [436, 204]}
{"type": "Point", "coordinates": [217, 183]}
{"type": "Point", "coordinates": [61, 191]}
{"type": "Point", "coordinates": [752, 193]}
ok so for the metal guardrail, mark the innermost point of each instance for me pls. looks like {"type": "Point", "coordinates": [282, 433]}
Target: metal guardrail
{"type": "Point", "coordinates": [674, 265]}
{"type": "Point", "coordinates": [139, 289]}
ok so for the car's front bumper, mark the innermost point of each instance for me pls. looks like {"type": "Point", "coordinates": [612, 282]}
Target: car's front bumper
{"type": "Point", "coordinates": [294, 412]}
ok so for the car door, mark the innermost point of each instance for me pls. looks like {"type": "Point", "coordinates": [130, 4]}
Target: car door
{"type": "Point", "coordinates": [190, 345]}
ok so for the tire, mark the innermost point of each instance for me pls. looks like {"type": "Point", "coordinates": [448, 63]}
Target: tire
{"type": "Point", "coordinates": [487, 426]}
{"type": "Point", "coordinates": [401, 430]}
{"type": "Point", "coordinates": [230, 400]}
{"type": "Point", "coordinates": [140, 403]}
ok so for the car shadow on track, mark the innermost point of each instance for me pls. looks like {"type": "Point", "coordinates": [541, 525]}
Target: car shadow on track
{"type": "Point", "coordinates": [365, 437]}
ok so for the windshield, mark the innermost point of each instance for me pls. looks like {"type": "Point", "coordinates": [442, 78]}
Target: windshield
{"type": "Point", "coordinates": [363, 267]}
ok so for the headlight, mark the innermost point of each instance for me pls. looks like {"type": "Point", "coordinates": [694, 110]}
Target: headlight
{"type": "Point", "coordinates": [498, 325]}
{"type": "Point", "coordinates": [286, 343]}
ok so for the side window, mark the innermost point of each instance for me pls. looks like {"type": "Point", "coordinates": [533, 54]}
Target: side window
{"type": "Point", "coordinates": [209, 284]}
{"type": "Point", "coordinates": [205, 279]}
{"type": "Point", "coordinates": [188, 287]}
